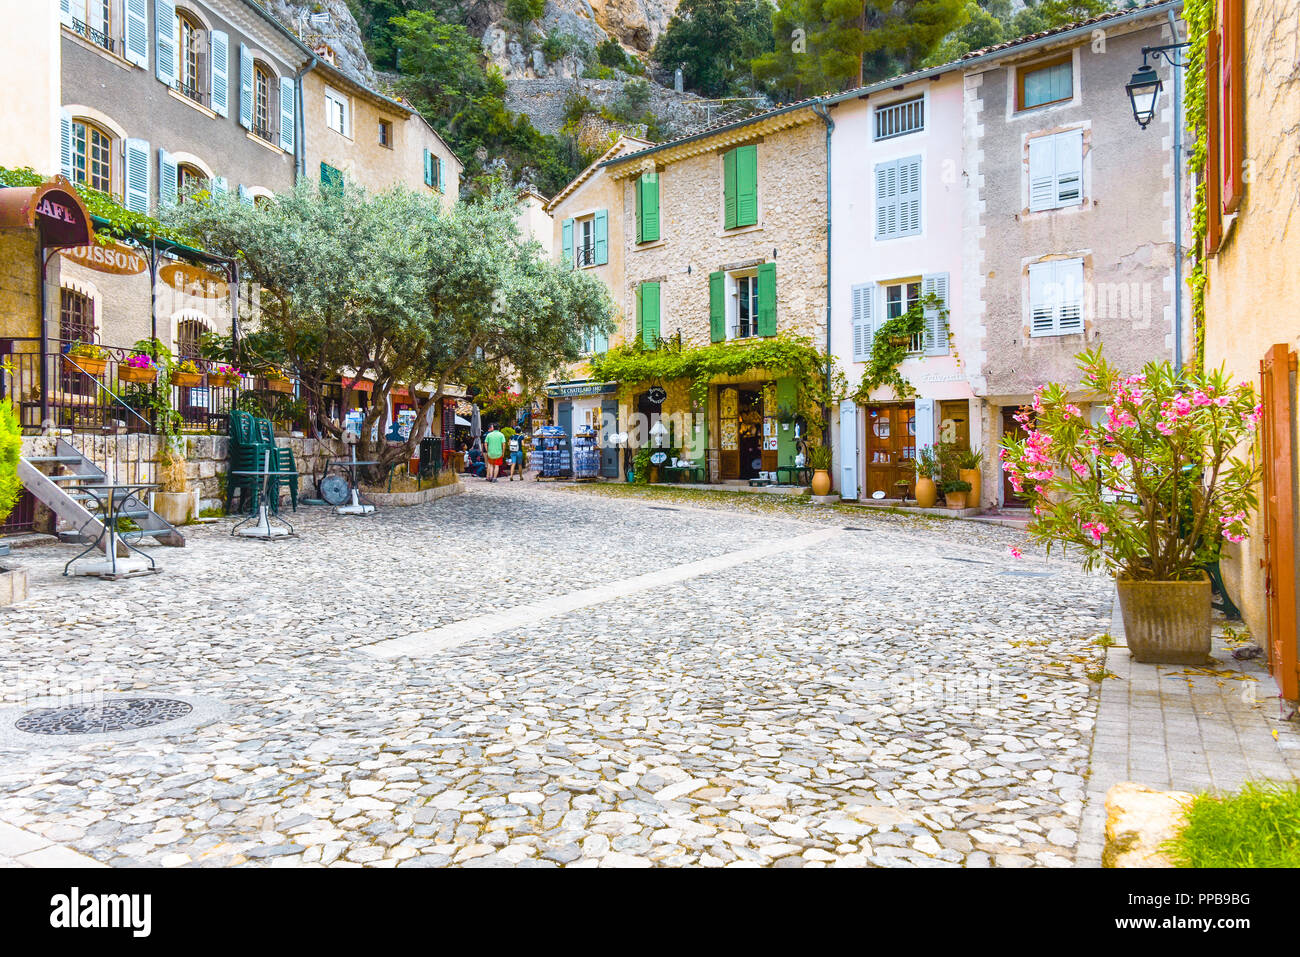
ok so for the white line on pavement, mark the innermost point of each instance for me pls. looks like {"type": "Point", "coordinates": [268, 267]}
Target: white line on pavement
{"type": "Point", "coordinates": [421, 643]}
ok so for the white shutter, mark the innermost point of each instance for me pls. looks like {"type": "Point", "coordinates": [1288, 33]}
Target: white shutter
{"type": "Point", "coordinates": [136, 179]}
{"type": "Point", "coordinates": [1069, 275]}
{"type": "Point", "coordinates": [135, 35]}
{"type": "Point", "coordinates": [1042, 173]}
{"type": "Point", "coordinates": [886, 200]}
{"type": "Point", "coordinates": [909, 196]}
{"type": "Point", "coordinates": [164, 42]}
{"type": "Point", "coordinates": [95, 18]}
{"type": "Point", "coordinates": [864, 296]}
{"type": "Point", "coordinates": [65, 12]}
{"type": "Point", "coordinates": [1069, 167]}
{"type": "Point", "coordinates": [1056, 297]}
{"type": "Point", "coordinates": [936, 328]}
{"type": "Point", "coordinates": [219, 51]}
{"type": "Point", "coordinates": [65, 144]}
{"type": "Point", "coordinates": [167, 179]}
{"type": "Point", "coordinates": [848, 449]}
{"type": "Point", "coordinates": [925, 425]}
{"type": "Point", "coordinates": [1042, 306]}
{"type": "Point", "coordinates": [288, 114]}
{"type": "Point", "coordinates": [245, 88]}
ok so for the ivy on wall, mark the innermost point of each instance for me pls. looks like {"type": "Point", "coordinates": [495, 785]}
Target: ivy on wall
{"type": "Point", "coordinates": [1200, 17]}
{"type": "Point", "coordinates": [123, 223]}
{"type": "Point", "coordinates": [889, 347]}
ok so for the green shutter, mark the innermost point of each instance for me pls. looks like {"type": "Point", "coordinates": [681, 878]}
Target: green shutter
{"type": "Point", "coordinates": [648, 311]}
{"type": "Point", "coordinates": [566, 241]}
{"type": "Point", "coordinates": [729, 189]}
{"type": "Point", "coordinates": [746, 185]}
{"type": "Point", "coordinates": [331, 180]}
{"type": "Point", "coordinates": [767, 299]}
{"type": "Point", "coordinates": [717, 306]}
{"type": "Point", "coordinates": [647, 208]}
{"type": "Point", "coordinates": [602, 236]}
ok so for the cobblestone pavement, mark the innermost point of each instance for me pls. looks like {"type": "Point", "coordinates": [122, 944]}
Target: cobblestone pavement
{"type": "Point", "coordinates": [894, 692]}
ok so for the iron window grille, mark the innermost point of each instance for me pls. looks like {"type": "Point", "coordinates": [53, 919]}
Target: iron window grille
{"type": "Point", "coordinates": [899, 119]}
{"type": "Point", "coordinates": [97, 37]}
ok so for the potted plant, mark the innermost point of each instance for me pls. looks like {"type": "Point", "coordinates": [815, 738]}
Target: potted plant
{"type": "Point", "coordinates": [173, 500]}
{"type": "Point", "coordinates": [927, 493]}
{"type": "Point", "coordinates": [954, 494]}
{"type": "Point", "coordinates": [187, 374]}
{"type": "Point", "coordinates": [901, 486]}
{"type": "Point", "coordinates": [88, 358]}
{"type": "Point", "coordinates": [969, 463]}
{"type": "Point", "coordinates": [223, 377]}
{"type": "Point", "coordinates": [139, 367]}
{"type": "Point", "coordinates": [277, 381]}
{"type": "Point", "coordinates": [819, 460]}
{"type": "Point", "coordinates": [1150, 493]}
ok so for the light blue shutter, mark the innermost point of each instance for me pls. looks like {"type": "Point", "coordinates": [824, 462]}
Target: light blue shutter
{"type": "Point", "coordinates": [135, 35]}
{"type": "Point", "coordinates": [886, 200]}
{"type": "Point", "coordinates": [219, 47]}
{"type": "Point", "coordinates": [442, 175]}
{"type": "Point", "coordinates": [566, 241]}
{"type": "Point", "coordinates": [428, 168]}
{"type": "Point", "coordinates": [924, 424]}
{"type": "Point", "coordinates": [220, 187]}
{"type": "Point", "coordinates": [65, 12]}
{"type": "Point", "coordinates": [936, 328]}
{"type": "Point", "coordinates": [602, 237]}
{"type": "Point", "coordinates": [167, 185]}
{"type": "Point", "coordinates": [288, 114]}
{"type": "Point", "coordinates": [136, 178]}
{"type": "Point", "coordinates": [65, 144]}
{"type": "Point", "coordinates": [164, 40]}
{"type": "Point", "coordinates": [909, 196]}
{"type": "Point", "coordinates": [244, 196]}
{"type": "Point", "coordinates": [848, 449]}
{"type": "Point", "coordinates": [245, 88]}
{"type": "Point", "coordinates": [864, 301]}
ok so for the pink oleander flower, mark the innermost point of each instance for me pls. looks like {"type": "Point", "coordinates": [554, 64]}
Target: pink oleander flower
{"type": "Point", "coordinates": [1080, 469]}
{"type": "Point", "coordinates": [1015, 552]}
{"type": "Point", "coordinates": [1200, 398]}
{"type": "Point", "coordinates": [1096, 530]}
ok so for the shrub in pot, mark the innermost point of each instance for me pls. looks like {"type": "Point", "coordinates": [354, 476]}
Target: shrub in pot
{"type": "Point", "coordinates": [969, 463]}
{"type": "Point", "coordinates": [187, 374]}
{"type": "Point", "coordinates": [819, 460]}
{"type": "Point", "coordinates": [88, 357]}
{"type": "Point", "coordinates": [1150, 493]}
{"type": "Point", "coordinates": [139, 367]}
{"type": "Point", "coordinates": [954, 494]}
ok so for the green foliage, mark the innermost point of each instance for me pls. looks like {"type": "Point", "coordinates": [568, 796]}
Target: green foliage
{"type": "Point", "coordinates": [641, 465]}
{"type": "Point", "coordinates": [890, 347]}
{"type": "Point", "coordinates": [1200, 18]}
{"type": "Point", "coordinates": [558, 45]}
{"type": "Point", "coordinates": [819, 457]}
{"type": "Point", "coordinates": [524, 12]}
{"type": "Point", "coordinates": [1257, 827]}
{"type": "Point", "coordinates": [633, 100]}
{"type": "Point", "coordinates": [611, 54]}
{"type": "Point", "coordinates": [11, 446]}
{"type": "Point", "coordinates": [927, 463]}
{"type": "Point", "coordinates": [122, 222]}
{"type": "Point", "coordinates": [713, 41]}
{"type": "Point", "coordinates": [954, 485]}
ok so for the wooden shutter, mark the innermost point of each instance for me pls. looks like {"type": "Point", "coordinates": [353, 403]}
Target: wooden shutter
{"type": "Point", "coordinates": [936, 327]}
{"type": "Point", "coordinates": [167, 179]}
{"type": "Point", "coordinates": [864, 299]}
{"type": "Point", "coordinates": [1231, 79]}
{"type": "Point", "coordinates": [729, 189]}
{"type": "Point", "coordinates": [219, 50]}
{"type": "Point", "coordinates": [767, 299]}
{"type": "Point", "coordinates": [1214, 135]}
{"type": "Point", "coordinates": [650, 314]}
{"type": "Point", "coordinates": [746, 185]}
{"type": "Point", "coordinates": [65, 144]}
{"type": "Point", "coordinates": [886, 199]}
{"type": "Point", "coordinates": [288, 114]}
{"type": "Point", "coordinates": [245, 88]}
{"type": "Point", "coordinates": [848, 449]}
{"type": "Point", "coordinates": [164, 40]}
{"type": "Point", "coordinates": [442, 174]}
{"type": "Point", "coordinates": [925, 424]}
{"type": "Point", "coordinates": [135, 33]}
{"type": "Point", "coordinates": [1042, 173]}
{"type": "Point", "coordinates": [909, 196]}
{"type": "Point", "coordinates": [566, 241]}
{"type": "Point", "coordinates": [601, 229]}
{"type": "Point", "coordinates": [647, 206]}
{"type": "Point", "coordinates": [1277, 516]}
{"type": "Point", "coordinates": [717, 306]}
{"type": "Point", "coordinates": [136, 176]}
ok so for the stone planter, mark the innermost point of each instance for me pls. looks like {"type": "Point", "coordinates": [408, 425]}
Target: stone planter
{"type": "Point", "coordinates": [178, 508]}
{"type": "Point", "coordinates": [973, 477]}
{"type": "Point", "coordinates": [927, 493]}
{"type": "Point", "coordinates": [13, 586]}
{"type": "Point", "coordinates": [1166, 623]}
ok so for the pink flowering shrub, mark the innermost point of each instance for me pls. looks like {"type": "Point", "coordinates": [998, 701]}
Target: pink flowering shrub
{"type": "Point", "coordinates": [1153, 489]}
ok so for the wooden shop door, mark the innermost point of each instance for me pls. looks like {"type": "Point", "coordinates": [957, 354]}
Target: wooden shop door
{"type": "Point", "coordinates": [890, 448]}
{"type": "Point", "coordinates": [1011, 429]}
{"type": "Point", "coordinates": [1277, 510]}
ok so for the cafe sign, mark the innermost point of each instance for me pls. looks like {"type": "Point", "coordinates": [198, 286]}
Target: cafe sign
{"type": "Point", "coordinates": [565, 390]}
{"type": "Point", "coordinates": [193, 281]}
{"type": "Point", "coordinates": [111, 258]}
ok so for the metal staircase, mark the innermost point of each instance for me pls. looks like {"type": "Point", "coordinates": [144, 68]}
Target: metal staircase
{"type": "Point", "coordinates": [72, 468]}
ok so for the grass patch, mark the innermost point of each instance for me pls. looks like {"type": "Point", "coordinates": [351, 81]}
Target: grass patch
{"type": "Point", "coordinates": [1258, 827]}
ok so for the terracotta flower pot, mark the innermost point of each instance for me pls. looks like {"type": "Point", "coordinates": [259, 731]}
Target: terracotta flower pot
{"type": "Point", "coordinates": [955, 500]}
{"type": "Point", "coordinates": [186, 380]}
{"type": "Point", "coordinates": [973, 477]}
{"type": "Point", "coordinates": [87, 364]}
{"type": "Point", "coordinates": [1166, 622]}
{"type": "Point", "coordinates": [927, 493]}
{"type": "Point", "coordinates": [821, 482]}
{"type": "Point", "coordinates": [127, 373]}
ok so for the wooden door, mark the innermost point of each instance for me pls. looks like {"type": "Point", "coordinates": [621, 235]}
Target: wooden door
{"type": "Point", "coordinates": [1277, 508]}
{"type": "Point", "coordinates": [1011, 429]}
{"type": "Point", "coordinates": [729, 431]}
{"type": "Point", "coordinates": [609, 452]}
{"type": "Point", "coordinates": [890, 449]}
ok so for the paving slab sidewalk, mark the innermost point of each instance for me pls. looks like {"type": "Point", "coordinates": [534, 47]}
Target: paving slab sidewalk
{"type": "Point", "coordinates": [1174, 727]}
{"type": "Point", "coordinates": [23, 848]}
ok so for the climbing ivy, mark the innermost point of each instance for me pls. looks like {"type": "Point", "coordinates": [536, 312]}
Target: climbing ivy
{"type": "Point", "coordinates": [890, 347]}
{"type": "Point", "coordinates": [633, 367]}
{"type": "Point", "coordinates": [123, 223]}
{"type": "Point", "coordinates": [1199, 16]}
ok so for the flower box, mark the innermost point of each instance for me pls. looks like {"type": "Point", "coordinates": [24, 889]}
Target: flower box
{"type": "Point", "coordinates": [129, 373]}
{"type": "Point", "coordinates": [219, 381]}
{"type": "Point", "coordinates": [91, 365]}
{"type": "Point", "coordinates": [279, 384]}
{"type": "Point", "coordinates": [187, 380]}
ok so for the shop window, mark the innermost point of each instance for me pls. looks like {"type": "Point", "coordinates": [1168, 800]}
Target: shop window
{"type": "Point", "coordinates": [1051, 82]}
{"type": "Point", "coordinates": [92, 156]}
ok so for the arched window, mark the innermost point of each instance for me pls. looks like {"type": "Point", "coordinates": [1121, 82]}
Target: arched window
{"type": "Point", "coordinates": [189, 336]}
{"type": "Point", "coordinates": [76, 316]}
{"type": "Point", "coordinates": [188, 44]}
{"type": "Point", "coordinates": [189, 179]}
{"type": "Point", "coordinates": [262, 101]}
{"type": "Point", "coordinates": [92, 156]}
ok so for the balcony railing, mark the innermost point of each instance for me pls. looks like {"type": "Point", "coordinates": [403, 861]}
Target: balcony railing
{"type": "Point", "coordinates": [188, 91]}
{"type": "Point", "coordinates": [261, 132]}
{"type": "Point", "coordinates": [97, 37]}
{"type": "Point", "coordinates": [586, 256]}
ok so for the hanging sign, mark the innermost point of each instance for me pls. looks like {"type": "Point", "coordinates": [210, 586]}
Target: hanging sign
{"type": "Point", "coordinates": [656, 394]}
{"type": "Point", "coordinates": [193, 281]}
{"type": "Point", "coordinates": [111, 258]}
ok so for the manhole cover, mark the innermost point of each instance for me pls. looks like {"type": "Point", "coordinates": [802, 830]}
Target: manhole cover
{"type": "Point", "coordinates": [131, 714]}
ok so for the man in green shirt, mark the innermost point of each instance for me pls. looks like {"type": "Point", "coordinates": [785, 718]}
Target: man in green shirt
{"type": "Point", "coordinates": [494, 443]}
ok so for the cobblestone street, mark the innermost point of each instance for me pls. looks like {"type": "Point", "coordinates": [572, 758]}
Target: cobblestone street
{"type": "Point", "coordinates": [529, 675]}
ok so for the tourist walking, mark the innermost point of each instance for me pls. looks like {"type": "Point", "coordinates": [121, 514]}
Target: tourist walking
{"type": "Point", "coordinates": [494, 444]}
{"type": "Point", "coordinates": [517, 456]}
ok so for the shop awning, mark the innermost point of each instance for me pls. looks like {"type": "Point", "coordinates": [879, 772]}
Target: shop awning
{"type": "Point", "coordinates": [460, 420]}
{"type": "Point", "coordinates": [54, 208]}
{"type": "Point", "coordinates": [360, 385]}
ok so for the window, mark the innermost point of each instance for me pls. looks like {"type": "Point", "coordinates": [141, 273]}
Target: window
{"type": "Point", "coordinates": [585, 241]}
{"type": "Point", "coordinates": [594, 343]}
{"type": "Point", "coordinates": [434, 171]}
{"type": "Point", "coordinates": [900, 297]}
{"type": "Point", "coordinates": [76, 316]}
{"type": "Point", "coordinates": [876, 303]}
{"type": "Point", "coordinates": [1056, 297]}
{"type": "Point", "coordinates": [897, 119]}
{"type": "Point", "coordinates": [262, 102]}
{"type": "Point", "coordinates": [188, 43]}
{"type": "Point", "coordinates": [386, 133]}
{"type": "Point", "coordinates": [740, 187]}
{"type": "Point", "coordinates": [742, 305]}
{"type": "Point", "coordinates": [1051, 82]}
{"type": "Point", "coordinates": [189, 179]}
{"type": "Point", "coordinates": [189, 337]}
{"type": "Point", "coordinates": [331, 180]}
{"type": "Point", "coordinates": [93, 19]}
{"type": "Point", "coordinates": [647, 314]}
{"type": "Point", "coordinates": [1056, 170]}
{"type": "Point", "coordinates": [336, 112]}
{"type": "Point", "coordinates": [92, 156]}
{"type": "Point", "coordinates": [898, 198]}
{"type": "Point", "coordinates": [746, 312]}
{"type": "Point", "coordinates": [587, 245]}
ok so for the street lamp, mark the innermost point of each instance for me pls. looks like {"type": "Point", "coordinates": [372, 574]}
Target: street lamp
{"type": "Point", "coordinates": [1143, 91]}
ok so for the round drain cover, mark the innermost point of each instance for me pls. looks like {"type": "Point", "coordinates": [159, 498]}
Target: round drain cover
{"type": "Point", "coordinates": [126, 715]}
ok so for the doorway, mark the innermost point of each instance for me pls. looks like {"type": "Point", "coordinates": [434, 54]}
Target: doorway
{"type": "Point", "coordinates": [1011, 429]}
{"type": "Point", "coordinates": [890, 449]}
{"type": "Point", "coordinates": [740, 417]}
